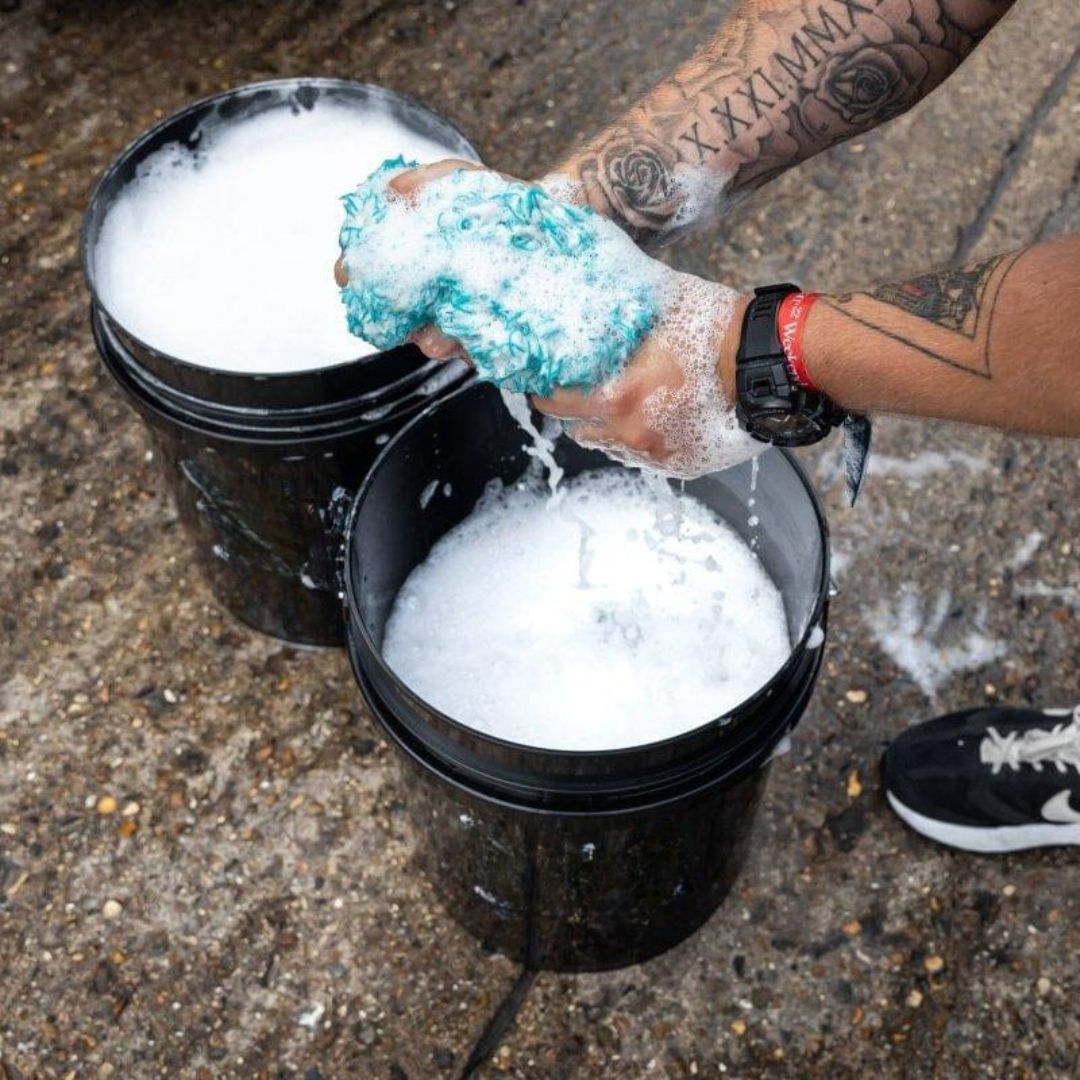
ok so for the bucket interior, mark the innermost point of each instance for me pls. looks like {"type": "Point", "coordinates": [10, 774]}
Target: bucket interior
{"type": "Point", "coordinates": [469, 439]}
{"type": "Point", "coordinates": [245, 103]}
{"type": "Point", "coordinates": [386, 375]}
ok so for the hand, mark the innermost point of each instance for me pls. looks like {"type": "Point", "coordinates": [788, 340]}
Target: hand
{"type": "Point", "coordinates": [672, 405]}
{"type": "Point", "coordinates": [430, 340]}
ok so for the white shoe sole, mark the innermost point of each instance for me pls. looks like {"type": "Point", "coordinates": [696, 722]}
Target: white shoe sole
{"type": "Point", "coordinates": [987, 841]}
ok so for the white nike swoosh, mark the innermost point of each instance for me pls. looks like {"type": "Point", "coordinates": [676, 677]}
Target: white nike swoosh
{"type": "Point", "coordinates": [1058, 808]}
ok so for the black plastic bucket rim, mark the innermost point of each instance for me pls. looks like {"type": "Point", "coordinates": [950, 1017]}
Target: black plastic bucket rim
{"type": "Point", "coordinates": [256, 426]}
{"type": "Point", "coordinates": [275, 389]}
{"type": "Point", "coordinates": [640, 799]}
{"type": "Point", "coordinates": [669, 757]}
{"type": "Point", "coordinates": [227, 430]}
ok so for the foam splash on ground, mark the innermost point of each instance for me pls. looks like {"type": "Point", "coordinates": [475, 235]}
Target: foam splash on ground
{"type": "Point", "coordinates": [920, 642]}
{"type": "Point", "coordinates": [1026, 550]}
{"type": "Point", "coordinates": [921, 466]}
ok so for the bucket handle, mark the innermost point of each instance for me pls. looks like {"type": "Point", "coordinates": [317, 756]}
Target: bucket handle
{"type": "Point", "coordinates": [335, 519]}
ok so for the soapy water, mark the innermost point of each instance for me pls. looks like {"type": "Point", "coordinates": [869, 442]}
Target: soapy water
{"type": "Point", "coordinates": [222, 256]}
{"type": "Point", "coordinates": [541, 444]}
{"type": "Point", "coordinates": [688, 413]}
{"type": "Point", "coordinates": [602, 619]}
{"type": "Point", "coordinates": [541, 294]}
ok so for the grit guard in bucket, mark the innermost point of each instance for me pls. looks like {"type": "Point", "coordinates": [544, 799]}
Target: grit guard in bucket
{"type": "Point", "coordinates": [574, 860]}
{"type": "Point", "coordinates": [264, 466]}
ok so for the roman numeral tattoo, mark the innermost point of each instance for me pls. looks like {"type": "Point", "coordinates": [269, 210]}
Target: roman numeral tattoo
{"type": "Point", "coordinates": [756, 103]}
{"type": "Point", "coordinates": [699, 144]}
{"type": "Point", "coordinates": [774, 89]}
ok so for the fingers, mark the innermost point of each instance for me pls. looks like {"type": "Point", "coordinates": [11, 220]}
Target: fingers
{"type": "Point", "coordinates": [626, 439]}
{"type": "Point", "coordinates": [406, 184]}
{"type": "Point", "coordinates": [570, 404]}
{"type": "Point", "coordinates": [433, 343]}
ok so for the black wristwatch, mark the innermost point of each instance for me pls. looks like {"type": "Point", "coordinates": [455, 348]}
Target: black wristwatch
{"type": "Point", "coordinates": [771, 405]}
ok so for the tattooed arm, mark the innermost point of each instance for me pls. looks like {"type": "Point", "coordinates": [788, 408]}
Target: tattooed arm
{"type": "Point", "coordinates": [781, 81]}
{"type": "Point", "coordinates": [996, 343]}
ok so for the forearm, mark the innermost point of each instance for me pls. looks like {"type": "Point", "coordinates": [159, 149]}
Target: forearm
{"type": "Point", "coordinates": [781, 81]}
{"type": "Point", "coordinates": [997, 343]}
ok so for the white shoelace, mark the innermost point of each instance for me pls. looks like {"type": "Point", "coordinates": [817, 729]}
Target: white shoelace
{"type": "Point", "coordinates": [1060, 746]}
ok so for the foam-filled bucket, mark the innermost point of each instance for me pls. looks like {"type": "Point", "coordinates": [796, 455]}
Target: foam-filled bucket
{"type": "Point", "coordinates": [264, 465]}
{"type": "Point", "coordinates": [574, 860]}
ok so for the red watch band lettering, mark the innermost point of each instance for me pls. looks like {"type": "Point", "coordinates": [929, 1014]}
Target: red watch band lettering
{"type": "Point", "coordinates": [790, 326]}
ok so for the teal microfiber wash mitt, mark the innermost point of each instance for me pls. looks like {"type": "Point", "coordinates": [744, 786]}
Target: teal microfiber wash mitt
{"type": "Point", "coordinates": [539, 292]}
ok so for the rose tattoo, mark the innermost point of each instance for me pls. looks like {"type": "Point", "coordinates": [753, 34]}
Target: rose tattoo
{"type": "Point", "coordinates": [636, 178]}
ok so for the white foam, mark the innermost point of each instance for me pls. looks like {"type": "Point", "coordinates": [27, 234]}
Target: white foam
{"type": "Point", "coordinates": [696, 195]}
{"type": "Point", "coordinates": [594, 621]}
{"type": "Point", "coordinates": [563, 292]}
{"type": "Point", "coordinates": [928, 463]}
{"type": "Point", "coordinates": [224, 257]}
{"type": "Point", "coordinates": [541, 445]}
{"type": "Point", "coordinates": [918, 640]}
{"type": "Point", "coordinates": [698, 423]}
{"type": "Point", "coordinates": [1026, 551]}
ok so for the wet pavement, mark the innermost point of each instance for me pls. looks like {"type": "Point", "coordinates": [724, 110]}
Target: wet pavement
{"type": "Point", "coordinates": [204, 859]}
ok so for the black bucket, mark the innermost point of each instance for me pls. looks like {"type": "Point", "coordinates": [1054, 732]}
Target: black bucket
{"type": "Point", "coordinates": [574, 860]}
{"type": "Point", "coordinates": [264, 466]}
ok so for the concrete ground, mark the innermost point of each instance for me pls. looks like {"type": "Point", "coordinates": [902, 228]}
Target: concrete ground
{"type": "Point", "coordinates": [247, 907]}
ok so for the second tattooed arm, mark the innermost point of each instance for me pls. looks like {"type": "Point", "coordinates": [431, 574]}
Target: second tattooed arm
{"type": "Point", "coordinates": [780, 82]}
{"type": "Point", "coordinates": [993, 343]}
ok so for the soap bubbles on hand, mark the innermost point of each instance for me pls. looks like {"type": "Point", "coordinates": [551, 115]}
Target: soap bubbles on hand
{"type": "Point", "coordinates": [668, 409]}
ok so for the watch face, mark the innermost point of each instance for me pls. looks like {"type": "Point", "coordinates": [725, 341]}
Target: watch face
{"type": "Point", "coordinates": [787, 428]}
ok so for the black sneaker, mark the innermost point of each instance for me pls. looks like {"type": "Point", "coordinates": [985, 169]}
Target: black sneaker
{"type": "Point", "coordinates": [989, 779]}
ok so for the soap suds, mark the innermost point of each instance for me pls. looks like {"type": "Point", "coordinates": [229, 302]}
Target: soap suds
{"type": "Point", "coordinates": [1026, 550]}
{"type": "Point", "coordinates": [540, 293]}
{"type": "Point", "coordinates": [922, 643]}
{"type": "Point", "coordinates": [599, 620]}
{"type": "Point", "coordinates": [929, 463]}
{"type": "Point", "coordinates": [697, 421]}
{"type": "Point", "coordinates": [541, 445]}
{"type": "Point", "coordinates": [428, 493]}
{"type": "Point", "coordinates": [1066, 594]}
{"type": "Point", "coordinates": [223, 257]}
{"type": "Point", "coordinates": [691, 415]}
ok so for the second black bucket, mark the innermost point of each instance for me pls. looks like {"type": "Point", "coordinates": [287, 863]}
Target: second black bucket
{"type": "Point", "coordinates": [264, 466]}
{"type": "Point", "coordinates": [574, 860]}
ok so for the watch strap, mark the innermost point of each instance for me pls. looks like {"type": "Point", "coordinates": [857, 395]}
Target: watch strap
{"type": "Point", "coordinates": [764, 381]}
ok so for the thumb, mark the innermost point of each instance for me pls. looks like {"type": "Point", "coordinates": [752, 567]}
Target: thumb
{"type": "Point", "coordinates": [407, 184]}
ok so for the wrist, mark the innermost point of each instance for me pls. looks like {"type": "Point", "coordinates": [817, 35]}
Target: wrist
{"type": "Point", "coordinates": [564, 183]}
{"type": "Point", "coordinates": [729, 346]}
{"type": "Point", "coordinates": [818, 352]}
{"type": "Point", "coordinates": [791, 319]}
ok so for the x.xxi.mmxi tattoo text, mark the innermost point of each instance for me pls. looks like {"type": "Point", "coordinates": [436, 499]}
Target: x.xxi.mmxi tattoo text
{"type": "Point", "coordinates": [783, 80]}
